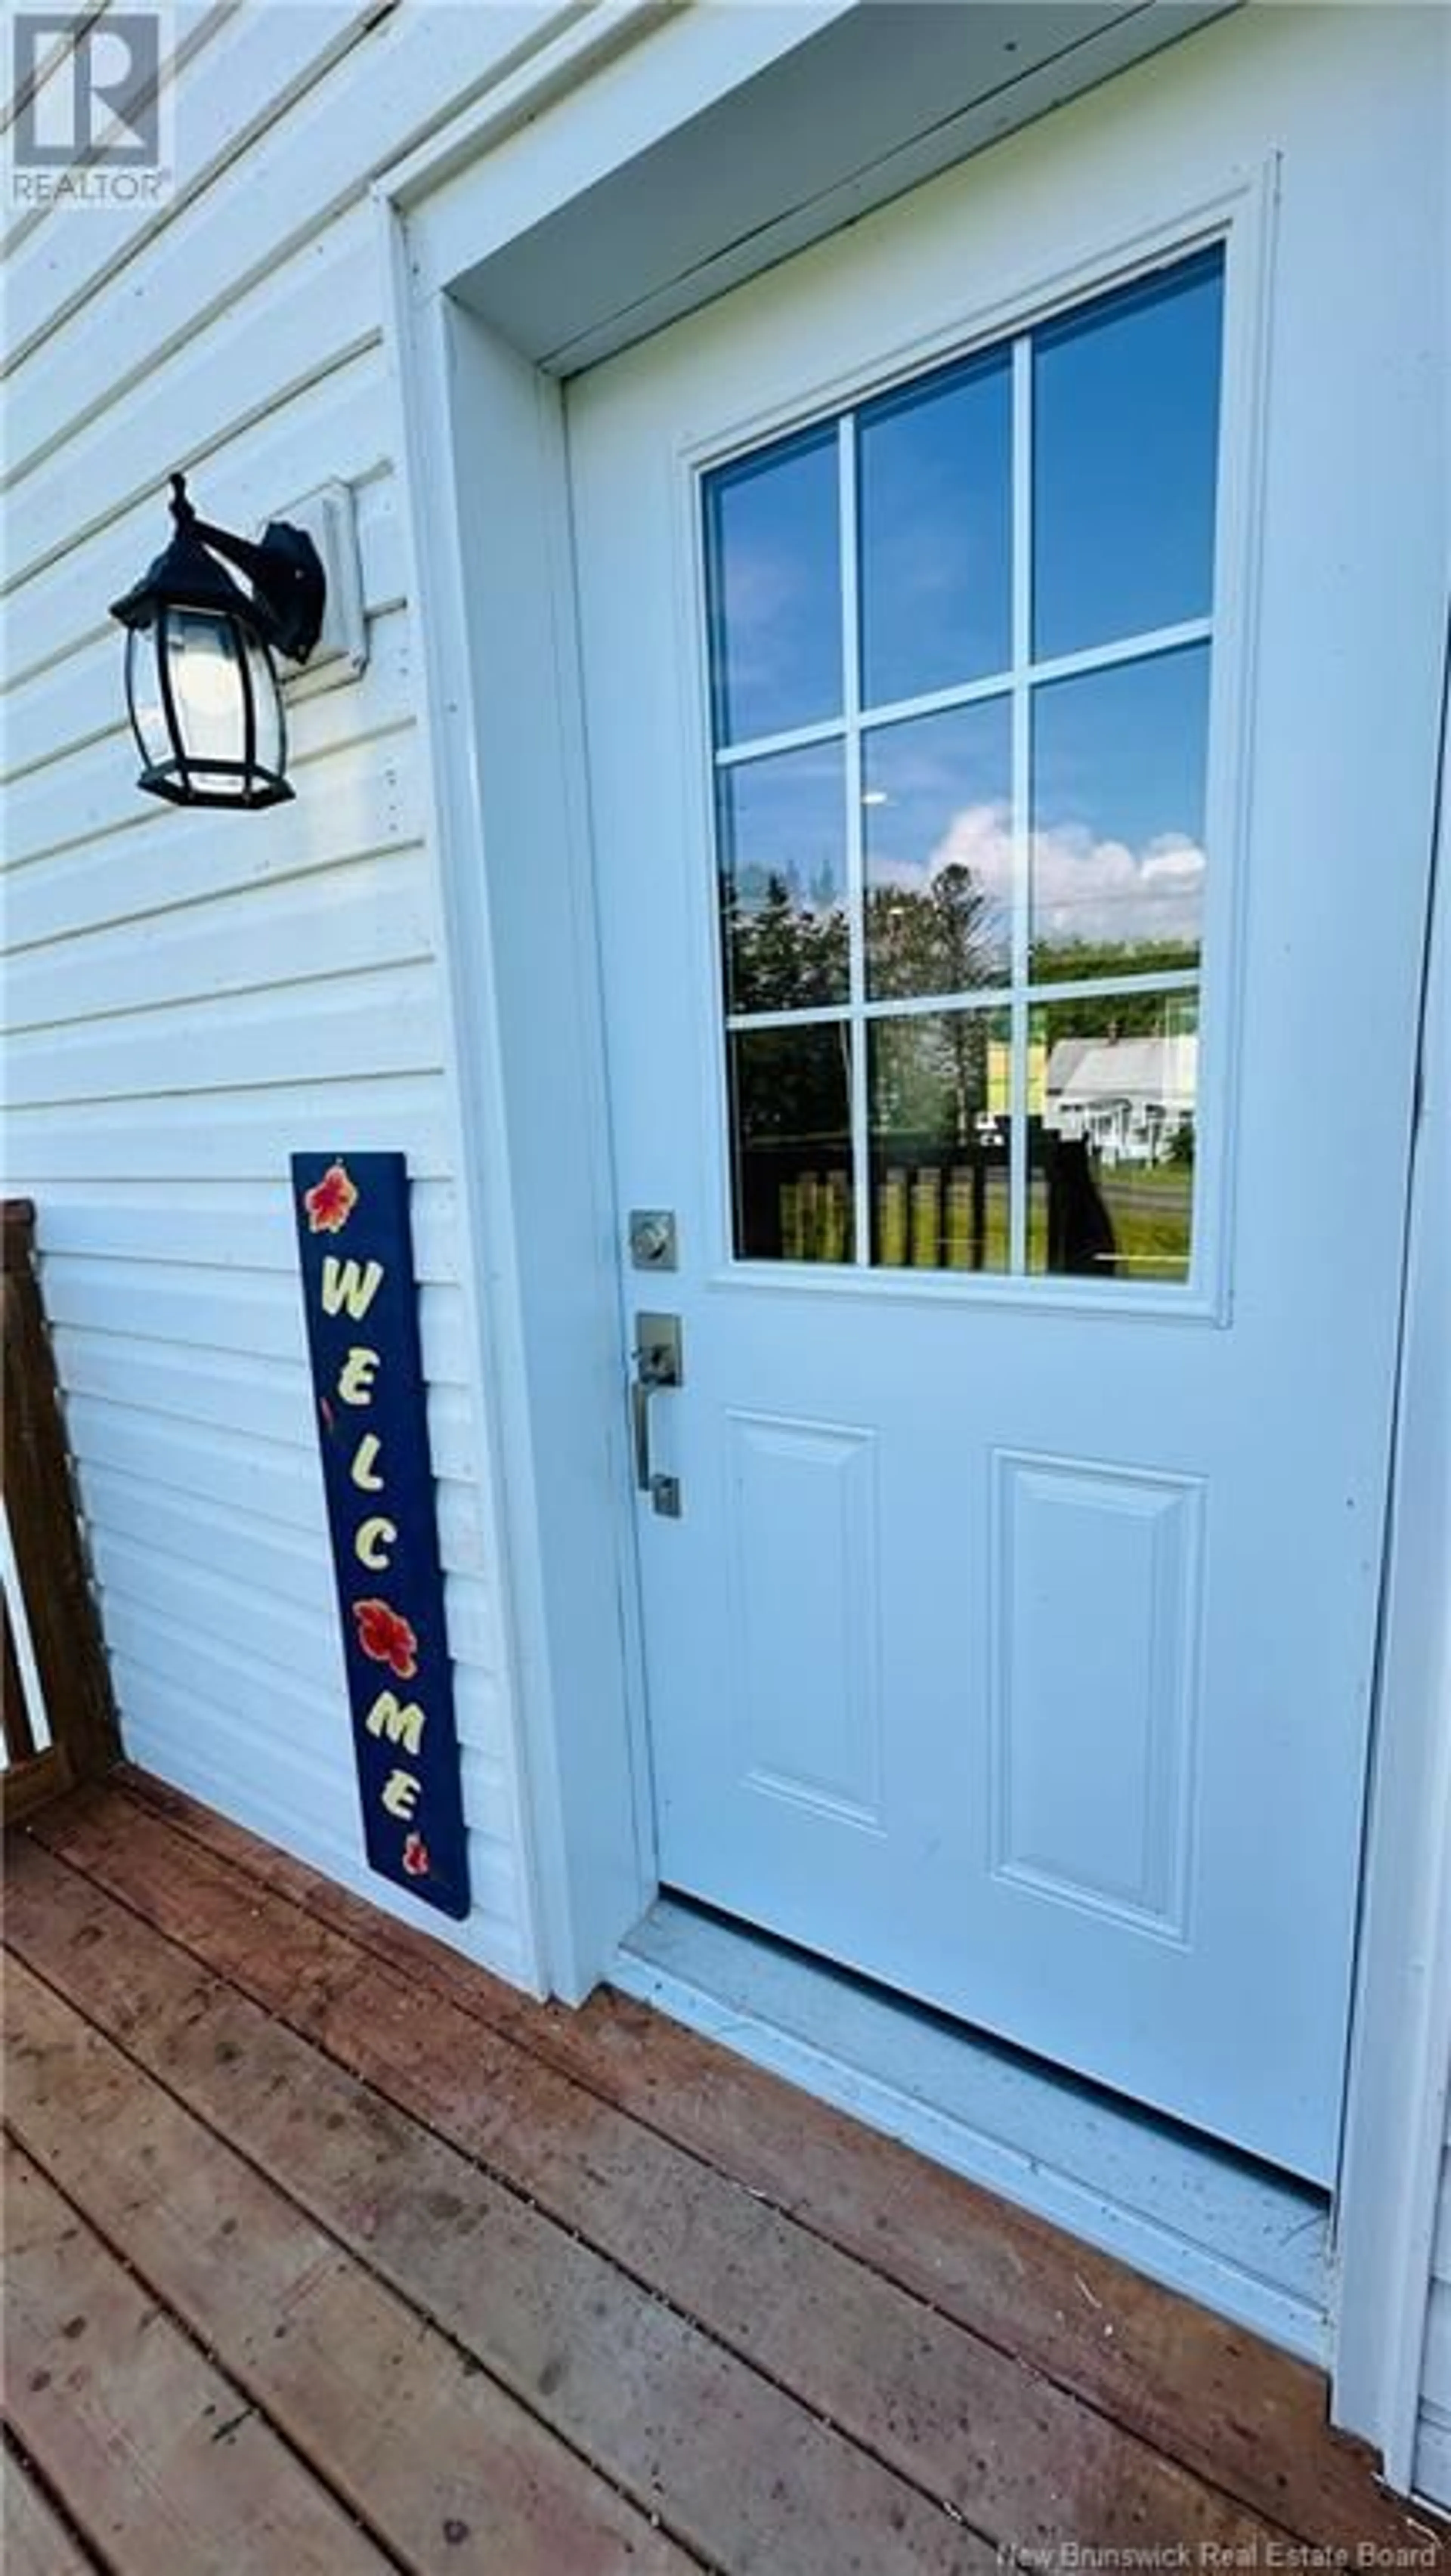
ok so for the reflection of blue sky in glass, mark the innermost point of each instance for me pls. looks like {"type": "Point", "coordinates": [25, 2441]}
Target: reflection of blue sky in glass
{"type": "Point", "coordinates": [1118, 767]}
{"type": "Point", "coordinates": [934, 484]}
{"type": "Point", "coordinates": [774, 567]}
{"type": "Point", "coordinates": [783, 827]}
{"type": "Point", "coordinates": [936, 794]}
{"type": "Point", "coordinates": [1125, 437]}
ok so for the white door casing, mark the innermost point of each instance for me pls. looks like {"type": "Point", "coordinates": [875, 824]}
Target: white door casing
{"type": "Point", "coordinates": [1014, 1644]}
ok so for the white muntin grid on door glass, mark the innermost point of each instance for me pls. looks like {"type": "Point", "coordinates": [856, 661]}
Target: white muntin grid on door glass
{"type": "Point", "coordinates": [1017, 994]}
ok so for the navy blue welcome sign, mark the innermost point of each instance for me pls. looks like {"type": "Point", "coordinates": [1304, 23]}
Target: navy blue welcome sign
{"type": "Point", "coordinates": [362, 1331]}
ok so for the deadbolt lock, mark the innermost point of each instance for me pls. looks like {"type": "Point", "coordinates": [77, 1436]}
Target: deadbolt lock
{"type": "Point", "coordinates": [652, 1238]}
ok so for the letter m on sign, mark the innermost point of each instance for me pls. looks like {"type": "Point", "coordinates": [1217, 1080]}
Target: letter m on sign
{"type": "Point", "coordinates": [402, 1721]}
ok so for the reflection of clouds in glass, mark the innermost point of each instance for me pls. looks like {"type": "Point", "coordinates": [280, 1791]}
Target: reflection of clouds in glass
{"type": "Point", "coordinates": [1103, 890]}
{"type": "Point", "coordinates": [766, 593]}
{"type": "Point", "coordinates": [1084, 889]}
{"type": "Point", "coordinates": [918, 775]}
{"type": "Point", "coordinates": [773, 551]}
{"type": "Point", "coordinates": [979, 838]}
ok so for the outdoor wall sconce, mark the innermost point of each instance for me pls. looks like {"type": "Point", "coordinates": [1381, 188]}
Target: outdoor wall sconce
{"type": "Point", "coordinates": [201, 683]}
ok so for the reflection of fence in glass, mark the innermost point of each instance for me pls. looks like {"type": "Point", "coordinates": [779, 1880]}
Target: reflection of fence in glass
{"type": "Point", "coordinates": [941, 1214]}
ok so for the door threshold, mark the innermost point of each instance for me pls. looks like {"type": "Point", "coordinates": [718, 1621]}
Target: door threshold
{"type": "Point", "coordinates": [1244, 2240]}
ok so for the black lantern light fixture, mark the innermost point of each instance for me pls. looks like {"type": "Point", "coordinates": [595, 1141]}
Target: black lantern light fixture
{"type": "Point", "coordinates": [201, 683]}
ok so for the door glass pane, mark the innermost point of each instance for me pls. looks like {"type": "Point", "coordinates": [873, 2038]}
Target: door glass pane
{"type": "Point", "coordinates": [981, 871]}
{"type": "Point", "coordinates": [782, 839]}
{"type": "Point", "coordinates": [1125, 441]}
{"type": "Point", "coordinates": [1118, 766]}
{"type": "Point", "coordinates": [934, 495]}
{"type": "Point", "coordinates": [791, 1142]}
{"type": "Point", "coordinates": [773, 556]}
{"type": "Point", "coordinates": [939, 1085]}
{"type": "Point", "coordinates": [938, 848]}
{"type": "Point", "coordinates": [1112, 1098]}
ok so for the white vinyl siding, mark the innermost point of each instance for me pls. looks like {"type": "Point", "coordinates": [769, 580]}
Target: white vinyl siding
{"type": "Point", "coordinates": [192, 997]}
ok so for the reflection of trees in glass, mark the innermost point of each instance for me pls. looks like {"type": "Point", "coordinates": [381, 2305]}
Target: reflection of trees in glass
{"type": "Point", "coordinates": [1136, 1015]}
{"type": "Point", "coordinates": [929, 1078]}
{"type": "Point", "coordinates": [785, 953]}
{"type": "Point", "coordinates": [793, 1086]}
{"type": "Point", "coordinates": [943, 938]}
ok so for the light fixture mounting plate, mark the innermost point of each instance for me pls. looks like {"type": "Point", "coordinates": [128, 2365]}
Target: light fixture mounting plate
{"type": "Point", "coordinates": [328, 514]}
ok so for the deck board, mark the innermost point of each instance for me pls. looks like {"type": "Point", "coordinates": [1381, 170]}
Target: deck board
{"type": "Point", "coordinates": [960, 2418]}
{"type": "Point", "coordinates": [36, 2541]}
{"type": "Point", "coordinates": [161, 2460]}
{"type": "Point", "coordinates": [1203, 2391]}
{"type": "Point", "coordinates": [582, 2290]}
{"type": "Point", "coordinates": [451, 2472]}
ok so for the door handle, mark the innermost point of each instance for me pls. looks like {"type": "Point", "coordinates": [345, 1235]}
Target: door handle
{"type": "Point", "coordinates": [659, 1362]}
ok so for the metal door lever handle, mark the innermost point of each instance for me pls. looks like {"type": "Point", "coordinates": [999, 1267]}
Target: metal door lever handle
{"type": "Point", "coordinates": [658, 1362]}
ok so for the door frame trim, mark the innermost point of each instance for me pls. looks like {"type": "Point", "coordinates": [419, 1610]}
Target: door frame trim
{"type": "Point", "coordinates": [1397, 2081]}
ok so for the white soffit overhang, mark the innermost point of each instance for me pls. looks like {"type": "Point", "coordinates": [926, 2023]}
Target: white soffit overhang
{"type": "Point", "coordinates": [853, 110]}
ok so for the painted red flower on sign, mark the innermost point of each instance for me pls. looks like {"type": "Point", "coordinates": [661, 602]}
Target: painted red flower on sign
{"type": "Point", "coordinates": [387, 1638]}
{"type": "Point", "coordinates": [331, 1201]}
{"type": "Point", "coordinates": [415, 1856]}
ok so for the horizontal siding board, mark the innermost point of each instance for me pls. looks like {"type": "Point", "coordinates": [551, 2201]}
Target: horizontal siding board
{"type": "Point", "coordinates": [375, 911]}
{"type": "Point", "coordinates": [289, 1807]}
{"type": "Point", "coordinates": [272, 1482]}
{"type": "Point", "coordinates": [269, 347]}
{"type": "Point", "coordinates": [259, 1684]}
{"type": "Point", "coordinates": [79, 698]}
{"type": "Point", "coordinates": [248, 1135]}
{"type": "Point", "coordinates": [225, 1618]}
{"type": "Point", "coordinates": [312, 162]}
{"type": "Point", "coordinates": [272, 1398]}
{"type": "Point", "coordinates": [222, 1610]}
{"type": "Point", "coordinates": [471, 1615]}
{"type": "Point", "coordinates": [88, 794]}
{"type": "Point", "coordinates": [226, 94]}
{"type": "Point", "coordinates": [136, 1221]}
{"type": "Point", "coordinates": [335, 428]}
{"type": "Point", "coordinates": [180, 1531]}
{"type": "Point", "coordinates": [386, 1020]}
{"type": "Point", "coordinates": [366, 912]}
{"type": "Point", "coordinates": [257, 1312]}
{"type": "Point", "coordinates": [257, 1476]}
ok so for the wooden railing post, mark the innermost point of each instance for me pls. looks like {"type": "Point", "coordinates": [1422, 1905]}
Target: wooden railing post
{"type": "Point", "coordinates": [60, 1614]}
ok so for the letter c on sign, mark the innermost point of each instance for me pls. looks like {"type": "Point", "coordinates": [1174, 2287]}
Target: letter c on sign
{"type": "Point", "coordinates": [373, 1542]}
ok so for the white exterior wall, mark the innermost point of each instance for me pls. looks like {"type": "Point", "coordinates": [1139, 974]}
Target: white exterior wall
{"type": "Point", "coordinates": [1422, 1578]}
{"type": "Point", "coordinates": [192, 997]}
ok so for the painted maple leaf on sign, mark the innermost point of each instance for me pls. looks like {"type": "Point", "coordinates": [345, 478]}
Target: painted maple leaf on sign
{"type": "Point", "coordinates": [331, 1201]}
{"type": "Point", "coordinates": [387, 1637]}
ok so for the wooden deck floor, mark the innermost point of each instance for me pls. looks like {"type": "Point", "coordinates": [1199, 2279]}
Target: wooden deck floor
{"type": "Point", "coordinates": [326, 2253]}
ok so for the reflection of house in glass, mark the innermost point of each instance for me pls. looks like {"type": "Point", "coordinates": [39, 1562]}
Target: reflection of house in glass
{"type": "Point", "coordinates": [1130, 1097]}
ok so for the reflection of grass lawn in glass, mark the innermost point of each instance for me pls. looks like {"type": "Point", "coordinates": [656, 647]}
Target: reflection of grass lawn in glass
{"type": "Point", "coordinates": [1149, 1209]}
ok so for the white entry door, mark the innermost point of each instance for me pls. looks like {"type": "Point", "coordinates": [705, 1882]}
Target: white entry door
{"type": "Point", "coordinates": [995, 1006]}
